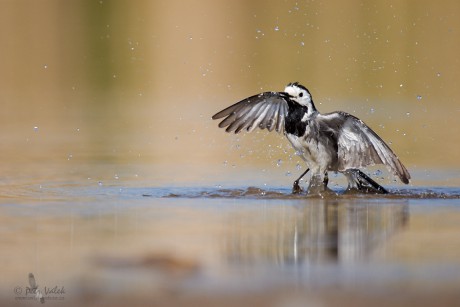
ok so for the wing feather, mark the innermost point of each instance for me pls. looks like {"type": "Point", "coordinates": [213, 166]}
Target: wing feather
{"type": "Point", "coordinates": [265, 111]}
{"type": "Point", "coordinates": [282, 113]}
{"type": "Point", "coordinates": [268, 118]}
{"type": "Point", "coordinates": [360, 146]}
{"type": "Point", "coordinates": [261, 116]}
{"type": "Point", "coordinates": [243, 119]}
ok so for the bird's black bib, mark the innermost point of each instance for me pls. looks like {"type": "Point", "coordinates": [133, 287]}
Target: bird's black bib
{"type": "Point", "coordinates": [293, 123]}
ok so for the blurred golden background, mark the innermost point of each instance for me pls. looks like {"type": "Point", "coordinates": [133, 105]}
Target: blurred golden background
{"type": "Point", "coordinates": [137, 81]}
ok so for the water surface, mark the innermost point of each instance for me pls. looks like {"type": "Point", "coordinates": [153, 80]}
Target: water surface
{"type": "Point", "coordinates": [126, 239]}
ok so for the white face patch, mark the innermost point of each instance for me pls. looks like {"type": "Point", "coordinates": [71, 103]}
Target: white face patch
{"type": "Point", "coordinates": [299, 95]}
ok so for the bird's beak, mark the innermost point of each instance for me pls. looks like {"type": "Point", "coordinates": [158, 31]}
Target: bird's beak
{"type": "Point", "coordinates": [288, 95]}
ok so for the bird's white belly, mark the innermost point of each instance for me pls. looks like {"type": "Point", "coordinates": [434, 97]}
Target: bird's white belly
{"type": "Point", "coordinates": [312, 152]}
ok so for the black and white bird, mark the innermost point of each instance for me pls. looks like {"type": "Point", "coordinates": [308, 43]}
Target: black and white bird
{"type": "Point", "coordinates": [336, 141]}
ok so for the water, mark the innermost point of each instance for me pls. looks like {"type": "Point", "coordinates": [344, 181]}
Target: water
{"type": "Point", "coordinates": [127, 238]}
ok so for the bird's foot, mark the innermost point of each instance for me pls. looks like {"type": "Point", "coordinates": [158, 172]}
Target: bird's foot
{"type": "Point", "coordinates": [321, 191]}
{"type": "Point", "coordinates": [318, 187]}
{"type": "Point", "coordinates": [296, 189]}
{"type": "Point", "coordinates": [364, 190]}
{"type": "Point", "coordinates": [359, 182]}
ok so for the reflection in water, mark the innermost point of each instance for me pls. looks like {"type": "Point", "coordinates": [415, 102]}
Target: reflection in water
{"type": "Point", "coordinates": [327, 231]}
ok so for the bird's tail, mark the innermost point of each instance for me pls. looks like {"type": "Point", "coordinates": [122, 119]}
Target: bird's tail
{"type": "Point", "coordinates": [357, 180]}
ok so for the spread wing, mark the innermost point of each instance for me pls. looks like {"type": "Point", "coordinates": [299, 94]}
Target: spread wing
{"type": "Point", "coordinates": [359, 146]}
{"type": "Point", "coordinates": [266, 111]}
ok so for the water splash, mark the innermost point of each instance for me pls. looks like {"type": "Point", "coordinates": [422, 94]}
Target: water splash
{"type": "Point", "coordinates": [286, 193]}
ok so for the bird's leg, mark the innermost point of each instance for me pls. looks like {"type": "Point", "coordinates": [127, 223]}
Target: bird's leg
{"type": "Point", "coordinates": [326, 179]}
{"type": "Point", "coordinates": [318, 185]}
{"type": "Point", "coordinates": [361, 183]}
{"type": "Point", "coordinates": [295, 187]}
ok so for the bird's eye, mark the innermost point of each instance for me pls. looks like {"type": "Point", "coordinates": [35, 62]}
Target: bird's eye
{"type": "Point", "coordinates": [301, 95]}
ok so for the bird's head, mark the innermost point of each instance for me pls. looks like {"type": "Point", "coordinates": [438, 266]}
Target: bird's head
{"type": "Point", "coordinates": [299, 94]}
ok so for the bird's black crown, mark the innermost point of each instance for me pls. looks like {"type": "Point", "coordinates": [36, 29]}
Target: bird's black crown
{"type": "Point", "coordinates": [299, 86]}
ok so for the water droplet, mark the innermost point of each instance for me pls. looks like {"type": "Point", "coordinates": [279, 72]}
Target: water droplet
{"type": "Point", "coordinates": [419, 97]}
{"type": "Point", "coordinates": [377, 173]}
{"type": "Point", "coordinates": [407, 113]}
{"type": "Point", "coordinates": [298, 167]}
{"type": "Point", "coordinates": [302, 44]}
{"type": "Point", "coordinates": [36, 128]}
{"type": "Point", "coordinates": [438, 74]}
{"type": "Point", "coordinates": [277, 28]}
{"type": "Point", "coordinates": [401, 85]}
{"type": "Point", "coordinates": [279, 162]}
{"type": "Point", "coordinates": [69, 157]}
{"type": "Point", "coordinates": [372, 110]}
{"type": "Point", "coordinates": [288, 174]}
{"type": "Point", "coordinates": [99, 183]}
{"type": "Point", "coordinates": [116, 177]}
{"type": "Point", "coordinates": [45, 66]}
{"type": "Point", "coordinates": [225, 163]}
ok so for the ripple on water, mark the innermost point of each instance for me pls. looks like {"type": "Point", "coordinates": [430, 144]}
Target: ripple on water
{"type": "Point", "coordinates": [283, 193]}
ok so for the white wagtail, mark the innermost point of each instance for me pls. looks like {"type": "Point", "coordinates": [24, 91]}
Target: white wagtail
{"type": "Point", "coordinates": [336, 141]}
